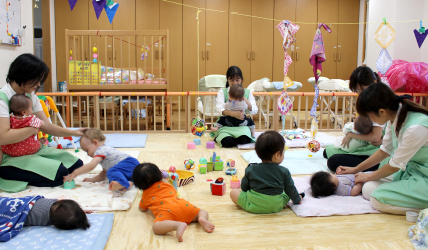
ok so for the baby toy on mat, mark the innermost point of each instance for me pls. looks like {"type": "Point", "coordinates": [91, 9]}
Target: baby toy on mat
{"type": "Point", "coordinates": [22, 116]}
{"type": "Point", "coordinates": [326, 184]}
{"type": "Point", "coordinates": [38, 211]}
{"type": "Point", "coordinates": [236, 102]}
{"type": "Point", "coordinates": [171, 213]}
{"type": "Point", "coordinates": [117, 166]}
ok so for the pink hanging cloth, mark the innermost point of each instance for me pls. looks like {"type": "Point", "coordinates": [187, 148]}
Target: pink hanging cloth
{"type": "Point", "coordinates": [318, 52]}
{"type": "Point", "coordinates": [287, 30]}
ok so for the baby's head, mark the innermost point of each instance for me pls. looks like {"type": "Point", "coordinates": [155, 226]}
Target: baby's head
{"type": "Point", "coordinates": [67, 215]}
{"type": "Point", "coordinates": [145, 175]}
{"type": "Point", "coordinates": [236, 92]}
{"type": "Point", "coordinates": [363, 124]}
{"type": "Point", "coordinates": [92, 139]}
{"type": "Point", "coordinates": [21, 105]}
{"type": "Point", "coordinates": [270, 147]}
{"type": "Point", "coordinates": [323, 184]}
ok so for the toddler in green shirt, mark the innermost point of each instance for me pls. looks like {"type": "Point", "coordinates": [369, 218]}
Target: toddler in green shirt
{"type": "Point", "coordinates": [267, 187]}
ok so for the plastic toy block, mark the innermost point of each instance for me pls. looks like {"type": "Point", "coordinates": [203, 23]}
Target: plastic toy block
{"type": "Point", "coordinates": [210, 144]}
{"type": "Point", "coordinates": [235, 184]}
{"type": "Point", "coordinates": [197, 141]}
{"type": "Point", "coordinates": [203, 160]}
{"type": "Point", "coordinates": [230, 163]}
{"type": "Point", "coordinates": [217, 158]}
{"type": "Point", "coordinates": [202, 169]}
{"type": "Point", "coordinates": [210, 166]}
{"type": "Point", "coordinates": [190, 145]}
{"type": "Point", "coordinates": [218, 165]}
{"type": "Point", "coordinates": [218, 188]}
{"type": "Point", "coordinates": [231, 171]}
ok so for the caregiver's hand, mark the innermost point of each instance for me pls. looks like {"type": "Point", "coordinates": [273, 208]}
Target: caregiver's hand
{"type": "Point", "coordinates": [79, 132]}
{"type": "Point", "coordinates": [237, 114]}
{"type": "Point", "coordinates": [361, 178]}
{"type": "Point", "coordinates": [345, 170]}
{"type": "Point", "coordinates": [346, 139]}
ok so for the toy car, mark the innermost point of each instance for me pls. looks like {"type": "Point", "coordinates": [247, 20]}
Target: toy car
{"type": "Point", "coordinates": [231, 171]}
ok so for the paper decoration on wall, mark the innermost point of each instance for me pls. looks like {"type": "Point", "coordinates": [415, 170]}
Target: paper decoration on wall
{"type": "Point", "coordinates": [72, 3]}
{"type": "Point", "coordinates": [384, 61]}
{"type": "Point", "coordinates": [421, 35]}
{"type": "Point", "coordinates": [98, 7]}
{"type": "Point", "coordinates": [111, 11]}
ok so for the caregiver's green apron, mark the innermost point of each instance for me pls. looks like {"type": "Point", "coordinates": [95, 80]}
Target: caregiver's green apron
{"type": "Point", "coordinates": [234, 132]}
{"type": "Point", "coordinates": [409, 188]}
{"type": "Point", "coordinates": [44, 162]}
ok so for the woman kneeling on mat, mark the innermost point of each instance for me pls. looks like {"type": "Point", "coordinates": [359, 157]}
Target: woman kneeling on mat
{"type": "Point", "coordinates": [47, 167]}
{"type": "Point", "coordinates": [229, 137]}
{"type": "Point", "coordinates": [403, 153]}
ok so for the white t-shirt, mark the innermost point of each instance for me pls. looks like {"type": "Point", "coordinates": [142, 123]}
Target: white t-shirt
{"type": "Point", "coordinates": [4, 108]}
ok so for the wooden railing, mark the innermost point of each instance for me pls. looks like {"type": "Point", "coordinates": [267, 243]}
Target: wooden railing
{"type": "Point", "coordinates": [172, 111]}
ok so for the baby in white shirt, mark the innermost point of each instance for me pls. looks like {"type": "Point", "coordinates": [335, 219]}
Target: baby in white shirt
{"type": "Point", "coordinates": [361, 125]}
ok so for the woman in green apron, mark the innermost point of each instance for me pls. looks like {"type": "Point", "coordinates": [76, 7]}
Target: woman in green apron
{"type": "Point", "coordinates": [403, 152]}
{"type": "Point", "coordinates": [228, 137]}
{"type": "Point", "coordinates": [360, 79]}
{"type": "Point", "coordinates": [48, 166]}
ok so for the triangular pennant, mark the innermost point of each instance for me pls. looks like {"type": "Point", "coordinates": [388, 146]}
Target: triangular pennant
{"type": "Point", "coordinates": [98, 7]}
{"type": "Point", "coordinates": [111, 11]}
{"type": "Point", "coordinates": [72, 3]}
{"type": "Point", "coordinates": [109, 3]}
{"type": "Point", "coordinates": [420, 37]}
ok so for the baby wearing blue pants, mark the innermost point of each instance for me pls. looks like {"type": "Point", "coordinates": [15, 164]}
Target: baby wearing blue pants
{"type": "Point", "coordinates": [117, 166]}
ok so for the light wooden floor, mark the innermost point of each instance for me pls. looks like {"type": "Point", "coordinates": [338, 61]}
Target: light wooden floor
{"type": "Point", "coordinates": [237, 229]}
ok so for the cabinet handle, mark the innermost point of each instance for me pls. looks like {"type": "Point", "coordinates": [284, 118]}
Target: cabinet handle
{"type": "Point", "coordinates": [248, 55]}
{"type": "Point", "coordinates": [203, 51]}
{"type": "Point", "coordinates": [114, 54]}
{"type": "Point", "coordinates": [334, 56]}
{"type": "Point", "coordinates": [208, 54]}
{"type": "Point", "coordinates": [86, 57]}
{"type": "Point", "coordinates": [157, 54]}
{"type": "Point", "coordinates": [254, 55]}
{"type": "Point", "coordinates": [297, 56]}
{"type": "Point", "coordinates": [109, 54]}
{"type": "Point", "coordinates": [339, 57]}
{"type": "Point", "coordinates": [162, 54]}
{"type": "Point", "coordinates": [292, 54]}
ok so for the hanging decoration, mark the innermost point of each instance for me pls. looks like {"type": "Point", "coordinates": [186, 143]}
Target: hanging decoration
{"type": "Point", "coordinates": [111, 10]}
{"type": "Point", "coordinates": [98, 7]}
{"type": "Point", "coordinates": [72, 3]}
{"type": "Point", "coordinates": [421, 35]}
{"type": "Point", "coordinates": [95, 55]}
{"type": "Point", "coordinates": [316, 60]}
{"type": "Point", "coordinates": [144, 55]}
{"type": "Point", "coordinates": [384, 36]}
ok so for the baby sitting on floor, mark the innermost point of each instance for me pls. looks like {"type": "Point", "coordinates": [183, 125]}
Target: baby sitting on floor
{"type": "Point", "coordinates": [236, 102]}
{"type": "Point", "coordinates": [326, 184]}
{"type": "Point", "coordinates": [117, 165]}
{"type": "Point", "coordinates": [361, 125]}
{"type": "Point", "coordinates": [38, 211]}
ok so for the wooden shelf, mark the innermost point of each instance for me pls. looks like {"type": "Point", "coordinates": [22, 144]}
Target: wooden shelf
{"type": "Point", "coordinates": [118, 87]}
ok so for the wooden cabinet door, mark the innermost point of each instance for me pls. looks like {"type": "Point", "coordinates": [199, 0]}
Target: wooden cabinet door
{"type": "Point", "coordinates": [262, 40]}
{"type": "Point", "coordinates": [216, 32]}
{"type": "Point", "coordinates": [348, 38]}
{"type": "Point", "coordinates": [284, 10]}
{"type": "Point", "coordinates": [328, 12]}
{"type": "Point", "coordinates": [171, 18]}
{"type": "Point", "coordinates": [306, 11]}
{"type": "Point", "coordinates": [190, 45]}
{"type": "Point", "coordinates": [240, 38]}
{"type": "Point", "coordinates": [63, 15]}
{"type": "Point", "coordinates": [124, 54]}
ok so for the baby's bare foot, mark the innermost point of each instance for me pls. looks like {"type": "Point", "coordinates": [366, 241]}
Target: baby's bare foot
{"type": "Point", "coordinates": [180, 230]}
{"type": "Point", "coordinates": [206, 225]}
{"type": "Point", "coordinates": [114, 185]}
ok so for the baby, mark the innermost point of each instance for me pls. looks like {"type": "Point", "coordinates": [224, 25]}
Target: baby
{"type": "Point", "coordinates": [21, 117]}
{"type": "Point", "coordinates": [326, 184]}
{"type": "Point", "coordinates": [362, 125]}
{"type": "Point", "coordinates": [236, 102]}
{"type": "Point", "coordinates": [117, 165]}
{"type": "Point", "coordinates": [171, 213]}
{"type": "Point", "coordinates": [38, 211]}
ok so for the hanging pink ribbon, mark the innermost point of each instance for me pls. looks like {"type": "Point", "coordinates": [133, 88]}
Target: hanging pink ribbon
{"type": "Point", "coordinates": [318, 52]}
{"type": "Point", "coordinates": [287, 30]}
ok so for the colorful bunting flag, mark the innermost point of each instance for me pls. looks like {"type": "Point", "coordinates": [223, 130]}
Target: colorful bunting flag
{"type": "Point", "coordinates": [111, 11]}
{"type": "Point", "coordinates": [98, 7]}
{"type": "Point", "coordinates": [72, 3]}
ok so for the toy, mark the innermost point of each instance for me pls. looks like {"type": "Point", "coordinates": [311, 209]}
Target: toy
{"type": "Point", "coordinates": [210, 144]}
{"type": "Point", "coordinates": [218, 187]}
{"type": "Point", "coordinates": [197, 141]}
{"type": "Point", "coordinates": [172, 169]}
{"type": "Point", "coordinates": [144, 55]}
{"type": "Point", "coordinates": [231, 171]}
{"type": "Point", "coordinates": [189, 164]}
{"type": "Point", "coordinates": [230, 163]}
{"type": "Point", "coordinates": [71, 57]}
{"type": "Point", "coordinates": [185, 177]}
{"type": "Point", "coordinates": [202, 168]}
{"type": "Point", "coordinates": [171, 177]}
{"type": "Point", "coordinates": [198, 126]}
{"type": "Point", "coordinates": [215, 163]}
{"type": "Point", "coordinates": [190, 145]}
{"type": "Point", "coordinates": [94, 49]}
{"type": "Point", "coordinates": [314, 146]}
{"type": "Point", "coordinates": [296, 134]}
{"type": "Point", "coordinates": [202, 160]}
{"type": "Point", "coordinates": [69, 184]}
{"type": "Point", "coordinates": [235, 183]}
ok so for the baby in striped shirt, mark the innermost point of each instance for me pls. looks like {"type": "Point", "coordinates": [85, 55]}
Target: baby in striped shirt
{"type": "Point", "coordinates": [326, 184]}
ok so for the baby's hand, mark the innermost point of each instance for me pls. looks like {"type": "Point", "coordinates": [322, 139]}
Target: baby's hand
{"type": "Point", "coordinates": [69, 177]}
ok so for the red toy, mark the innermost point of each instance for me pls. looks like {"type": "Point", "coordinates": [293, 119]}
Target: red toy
{"type": "Point", "coordinates": [218, 187]}
{"type": "Point", "coordinates": [172, 169]}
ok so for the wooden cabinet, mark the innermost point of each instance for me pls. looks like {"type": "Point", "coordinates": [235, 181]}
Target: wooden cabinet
{"type": "Point", "coordinates": [284, 10]}
{"type": "Point", "coordinates": [328, 12]}
{"type": "Point", "coordinates": [125, 20]}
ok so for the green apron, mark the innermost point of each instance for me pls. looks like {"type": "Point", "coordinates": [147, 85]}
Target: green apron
{"type": "Point", "coordinates": [45, 163]}
{"type": "Point", "coordinates": [409, 188]}
{"type": "Point", "coordinates": [234, 132]}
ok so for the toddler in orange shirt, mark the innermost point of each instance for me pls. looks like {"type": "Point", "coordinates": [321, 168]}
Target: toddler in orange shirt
{"type": "Point", "coordinates": [171, 213]}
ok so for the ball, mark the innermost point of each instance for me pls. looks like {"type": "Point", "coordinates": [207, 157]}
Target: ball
{"type": "Point", "coordinates": [189, 164]}
{"type": "Point", "coordinates": [172, 169]}
{"type": "Point", "coordinates": [314, 146]}
{"type": "Point", "coordinates": [198, 127]}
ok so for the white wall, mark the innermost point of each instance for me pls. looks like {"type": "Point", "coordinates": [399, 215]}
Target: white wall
{"type": "Point", "coordinates": [404, 47]}
{"type": "Point", "coordinates": [10, 52]}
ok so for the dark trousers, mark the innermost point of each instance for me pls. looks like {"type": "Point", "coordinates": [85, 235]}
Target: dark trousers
{"type": "Point", "coordinates": [230, 142]}
{"type": "Point", "coordinates": [17, 174]}
{"type": "Point", "coordinates": [346, 160]}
